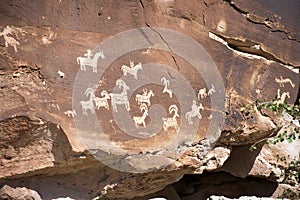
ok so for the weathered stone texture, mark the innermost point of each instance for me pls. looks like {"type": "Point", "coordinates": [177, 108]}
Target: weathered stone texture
{"type": "Point", "coordinates": [251, 43]}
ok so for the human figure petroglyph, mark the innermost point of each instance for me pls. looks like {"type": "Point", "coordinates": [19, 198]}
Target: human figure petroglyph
{"type": "Point", "coordinates": [9, 40]}
{"type": "Point", "coordinates": [88, 54]}
{"type": "Point", "coordinates": [88, 105]}
{"type": "Point", "coordinates": [171, 121]}
{"type": "Point", "coordinates": [133, 70]}
{"type": "Point", "coordinates": [166, 84]}
{"type": "Point", "coordinates": [282, 81]}
{"type": "Point", "coordinates": [102, 101]}
{"type": "Point", "coordinates": [141, 120]}
{"type": "Point", "coordinates": [71, 113]}
{"type": "Point", "coordinates": [195, 111]}
{"type": "Point", "coordinates": [145, 97]}
{"type": "Point", "coordinates": [120, 98]}
{"type": "Point", "coordinates": [87, 61]}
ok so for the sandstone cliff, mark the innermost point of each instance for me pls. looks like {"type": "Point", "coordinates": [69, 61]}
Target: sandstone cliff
{"type": "Point", "coordinates": [215, 57]}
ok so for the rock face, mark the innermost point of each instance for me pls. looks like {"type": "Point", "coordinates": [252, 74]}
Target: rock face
{"type": "Point", "coordinates": [177, 113]}
{"type": "Point", "coordinates": [7, 192]}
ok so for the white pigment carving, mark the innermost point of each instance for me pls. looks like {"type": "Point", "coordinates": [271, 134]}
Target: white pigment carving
{"type": "Point", "coordinates": [195, 111]}
{"type": "Point", "coordinates": [120, 98]}
{"type": "Point", "coordinates": [102, 101]}
{"type": "Point", "coordinates": [141, 120]}
{"type": "Point", "coordinates": [166, 83]}
{"type": "Point", "coordinates": [88, 61]}
{"type": "Point", "coordinates": [88, 105]}
{"type": "Point", "coordinates": [282, 81]}
{"type": "Point", "coordinates": [281, 98]}
{"type": "Point", "coordinates": [211, 90]}
{"type": "Point", "coordinates": [202, 93]}
{"type": "Point", "coordinates": [171, 121]}
{"type": "Point", "coordinates": [145, 97]}
{"type": "Point", "coordinates": [70, 113]}
{"type": "Point", "coordinates": [131, 69]}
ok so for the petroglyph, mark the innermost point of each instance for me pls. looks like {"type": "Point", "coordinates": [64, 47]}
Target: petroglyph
{"type": "Point", "coordinates": [281, 98]}
{"type": "Point", "coordinates": [166, 84]}
{"type": "Point", "coordinates": [211, 90]}
{"type": "Point", "coordinates": [70, 113]}
{"type": "Point", "coordinates": [120, 98]}
{"type": "Point", "coordinates": [202, 93]}
{"type": "Point", "coordinates": [88, 105]}
{"type": "Point", "coordinates": [88, 61]}
{"type": "Point", "coordinates": [195, 111]}
{"type": "Point", "coordinates": [171, 121]}
{"type": "Point", "coordinates": [282, 81]}
{"type": "Point", "coordinates": [145, 97]}
{"type": "Point", "coordinates": [141, 120]}
{"type": "Point", "coordinates": [102, 101]}
{"type": "Point", "coordinates": [133, 70]}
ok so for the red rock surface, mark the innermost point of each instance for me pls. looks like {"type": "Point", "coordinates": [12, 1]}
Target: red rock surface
{"type": "Point", "coordinates": [251, 44]}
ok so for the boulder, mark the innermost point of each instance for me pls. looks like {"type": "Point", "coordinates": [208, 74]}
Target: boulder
{"type": "Point", "coordinates": [7, 192]}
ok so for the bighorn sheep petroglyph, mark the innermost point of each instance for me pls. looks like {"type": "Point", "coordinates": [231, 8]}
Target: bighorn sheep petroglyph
{"type": "Point", "coordinates": [141, 120]}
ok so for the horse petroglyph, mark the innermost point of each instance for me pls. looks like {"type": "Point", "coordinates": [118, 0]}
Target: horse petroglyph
{"type": "Point", "coordinates": [195, 111]}
{"type": "Point", "coordinates": [171, 121]}
{"type": "Point", "coordinates": [88, 61]}
{"type": "Point", "coordinates": [166, 84]}
{"type": "Point", "coordinates": [145, 97]}
{"type": "Point", "coordinates": [133, 70]}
